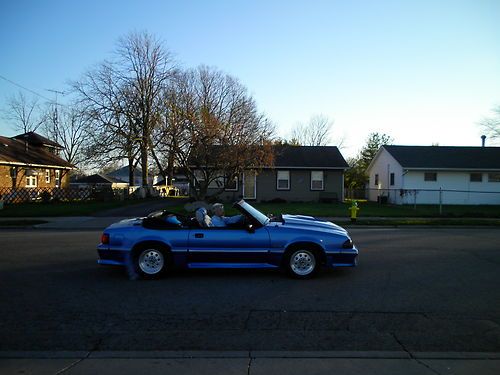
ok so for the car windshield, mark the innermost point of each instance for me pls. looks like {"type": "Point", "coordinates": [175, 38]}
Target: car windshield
{"type": "Point", "coordinates": [259, 216]}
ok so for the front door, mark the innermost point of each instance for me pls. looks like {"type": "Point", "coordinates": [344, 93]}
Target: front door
{"type": "Point", "coordinates": [249, 185]}
{"type": "Point", "coordinates": [223, 247]}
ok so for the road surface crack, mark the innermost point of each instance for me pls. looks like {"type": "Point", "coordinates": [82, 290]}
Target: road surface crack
{"type": "Point", "coordinates": [249, 362]}
{"type": "Point", "coordinates": [412, 356]}
{"type": "Point", "coordinates": [86, 356]}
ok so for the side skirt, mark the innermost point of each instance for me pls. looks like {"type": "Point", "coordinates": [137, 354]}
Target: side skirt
{"type": "Point", "coordinates": [232, 265]}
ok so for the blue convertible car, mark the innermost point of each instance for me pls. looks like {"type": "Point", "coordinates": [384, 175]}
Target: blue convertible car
{"type": "Point", "coordinates": [152, 245]}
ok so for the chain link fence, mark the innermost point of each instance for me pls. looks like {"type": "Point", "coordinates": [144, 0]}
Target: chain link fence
{"type": "Point", "coordinates": [419, 197]}
{"type": "Point", "coordinates": [71, 194]}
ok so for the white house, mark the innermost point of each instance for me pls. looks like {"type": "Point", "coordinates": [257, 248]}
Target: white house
{"type": "Point", "coordinates": [434, 174]}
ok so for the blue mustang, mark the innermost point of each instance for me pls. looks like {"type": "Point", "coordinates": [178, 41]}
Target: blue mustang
{"type": "Point", "coordinates": [151, 246]}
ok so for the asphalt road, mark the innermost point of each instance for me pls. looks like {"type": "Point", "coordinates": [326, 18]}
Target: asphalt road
{"type": "Point", "coordinates": [414, 289]}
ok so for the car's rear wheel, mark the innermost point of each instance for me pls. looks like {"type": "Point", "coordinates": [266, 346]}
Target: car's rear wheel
{"type": "Point", "coordinates": [302, 263]}
{"type": "Point", "coordinates": [151, 261]}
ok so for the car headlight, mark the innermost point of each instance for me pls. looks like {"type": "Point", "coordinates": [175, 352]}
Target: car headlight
{"type": "Point", "coordinates": [348, 244]}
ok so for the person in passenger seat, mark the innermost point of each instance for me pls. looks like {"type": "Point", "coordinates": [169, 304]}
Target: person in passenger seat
{"type": "Point", "coordinates": [202, 217]}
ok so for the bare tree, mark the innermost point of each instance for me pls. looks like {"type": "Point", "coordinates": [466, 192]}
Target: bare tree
{"type": "Point", "coordinates": [491, 125]}
{"type": "Point", "coordinates": [24, 113]}
{"type": "Point", "coordinates": [145, 67]}
{"type": "Point", "coordinates": [70, 128]}
{"type": "Point", "coordinates": [315, 133]}
{"type": "Point", "coordinates": [123, 97]}
{"type": "Point", "coordinates": [109, 106]}
{"type": "Point", "coordinates": [211, 127]}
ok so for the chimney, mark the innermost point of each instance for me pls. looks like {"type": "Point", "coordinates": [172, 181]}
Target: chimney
{"type": "Point", "coordinates": [483, 140]}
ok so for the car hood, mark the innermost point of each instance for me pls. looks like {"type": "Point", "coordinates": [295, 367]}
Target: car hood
{"type": "Point", "coordinates": [309, 222]}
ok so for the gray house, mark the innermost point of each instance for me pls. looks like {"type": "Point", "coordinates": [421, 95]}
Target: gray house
{"type": "Point", "coordinates": [299, 174]}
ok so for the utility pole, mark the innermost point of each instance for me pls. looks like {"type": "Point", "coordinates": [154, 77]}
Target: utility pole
{"type": "Point", "coordinates": [56, 118]}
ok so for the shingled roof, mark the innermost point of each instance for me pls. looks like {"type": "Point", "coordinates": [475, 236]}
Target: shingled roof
{"type": "Point", "coordinates": [299, 157]}
{"type": "Point", "coordinates": [14, 151]}
{"type": "Point", "coordinates": [98, 179]}
{"type": "Point", "coordinates": [36, 139]}
{"type": "Point", "coordinates": [308, 157]}
{"type": "Point", "coordinates": [446, 157]}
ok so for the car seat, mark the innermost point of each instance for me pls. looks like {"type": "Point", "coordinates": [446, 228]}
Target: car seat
{"type": "Point", "coordinates": [202, 217]}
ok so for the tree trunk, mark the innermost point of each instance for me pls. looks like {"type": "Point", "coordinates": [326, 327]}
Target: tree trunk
{"type": "Point", "coordinates": [131, 179]}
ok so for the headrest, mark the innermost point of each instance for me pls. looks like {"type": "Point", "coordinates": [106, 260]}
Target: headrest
{"type": "Point", "coordinates": [203, 218]}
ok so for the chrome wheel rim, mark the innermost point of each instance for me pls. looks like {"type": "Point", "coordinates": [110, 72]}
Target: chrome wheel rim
{"type": "Point", "coordinates": [151, 261]}
{"type": "Point", "coordinates": [302, 262]}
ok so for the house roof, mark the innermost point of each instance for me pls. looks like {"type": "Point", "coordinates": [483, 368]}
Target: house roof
{"type": "Point", "coordinates": [309, 157]}
{"type": "Point", "coordinates": [13, 151]}
{"type": "Point", "coordinates": [123, 171]}
{"type": "Point", "coordinates": [97, 179]}
{"type": "Point", "coordinates": [37, 140]}
{"type": "Point", "coordinates": [446, 157]}
{"type": "Point", "coordinates": [296, 157]}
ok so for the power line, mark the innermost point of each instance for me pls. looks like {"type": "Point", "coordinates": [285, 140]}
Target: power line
{"type": "Point", "coordinates": [25, 88]}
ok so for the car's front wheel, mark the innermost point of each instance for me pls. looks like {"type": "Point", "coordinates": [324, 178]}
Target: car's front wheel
{"type": "Point", "coordinates": [151, 261]}
{"type": "Point", "coordinates": [302, 263]}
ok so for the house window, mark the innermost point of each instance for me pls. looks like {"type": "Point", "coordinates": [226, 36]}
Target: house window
{"type": "Point", "coordinates": [317, 180]}
{"type": "Point", "coordinates": [392, 179]}
{"type": "Point", "coordinates": [430, 176]}
{"type": "Point", "coordinates": [283, 180]}
{"type": "Point", "coordinates": [232, 185]}
{"type": "Point", "coordinates": [216, 182]}
{"type": "Point", "coordinates": [199, 178]}
{"type": "Point", "coordinates": [493, 177]}
{"type": "Point", "coordinates": [47, 176]}
{"type": "Point", "coordinates": [476, 177]}
{"type": "Point", "coordinates": [31, 181]}
{"type": "Point", "coordinates": [58, 178]}
{"type": "Point", "coordinates": [376, 180]}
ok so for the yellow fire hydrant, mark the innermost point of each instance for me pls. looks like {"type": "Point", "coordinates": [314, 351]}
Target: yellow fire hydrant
{"type": "Point", "coordinates": [354, 210]}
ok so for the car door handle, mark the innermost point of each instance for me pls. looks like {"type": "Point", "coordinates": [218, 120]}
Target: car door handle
{"type": "Point", "coordinates": [198, 235]}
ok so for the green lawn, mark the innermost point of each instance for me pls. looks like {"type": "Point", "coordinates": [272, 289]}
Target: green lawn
{"type": "Point", "coordinates": [40, 209]}
{"type": "Point", "coordinates": [371, 209]}
{"type": "Point", "coordinates": [367, 209]}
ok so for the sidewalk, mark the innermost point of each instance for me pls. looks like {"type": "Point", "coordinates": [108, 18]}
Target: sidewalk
{"type": "Point", "coordinates": [101, 222]}
{"type": "Point", "coordinates": [67, 222]}
{"type": "Point", "coordinates": [244, 363]}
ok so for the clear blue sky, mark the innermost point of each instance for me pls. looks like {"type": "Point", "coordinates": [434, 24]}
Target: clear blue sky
{"type": "Point", "coordinates": [421, 71]}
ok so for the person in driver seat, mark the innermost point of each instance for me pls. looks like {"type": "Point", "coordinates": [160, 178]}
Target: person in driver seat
{"type": "Point", "coordinates": [219, 220]}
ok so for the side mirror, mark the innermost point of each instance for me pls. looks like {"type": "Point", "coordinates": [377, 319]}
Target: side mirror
{"type": "Point", "coordinates": [250, 228]}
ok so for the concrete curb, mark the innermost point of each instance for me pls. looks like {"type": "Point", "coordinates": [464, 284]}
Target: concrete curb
{"type": "Point", "coordinates": [247, 354]}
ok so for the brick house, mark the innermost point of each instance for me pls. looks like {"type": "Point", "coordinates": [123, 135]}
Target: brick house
{"type": "Point", "coordinates": [32, 161]}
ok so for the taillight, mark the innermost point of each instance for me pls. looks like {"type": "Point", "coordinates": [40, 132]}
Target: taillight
{"type": "Point", "coordinates": [348, 244]}
{"type": "Point", "coordinates": [105, 239]}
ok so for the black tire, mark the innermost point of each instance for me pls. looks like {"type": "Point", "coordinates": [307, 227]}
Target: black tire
{"type": "Point", "coordinates": [301, 262]}
{"type": "Point", "coordinates": [151, 261]}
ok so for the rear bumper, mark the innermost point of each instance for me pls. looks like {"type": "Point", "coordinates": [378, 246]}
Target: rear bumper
{"type": "Point", "coordinates": [111, 257]}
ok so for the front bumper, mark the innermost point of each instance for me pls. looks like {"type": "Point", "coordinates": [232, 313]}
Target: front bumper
{"type": "Point", "coordinates": [346, 258]}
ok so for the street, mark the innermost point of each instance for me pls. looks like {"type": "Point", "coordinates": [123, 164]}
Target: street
{"type": "Point", "coordinates": [414, 290]}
